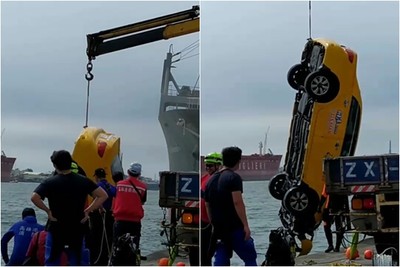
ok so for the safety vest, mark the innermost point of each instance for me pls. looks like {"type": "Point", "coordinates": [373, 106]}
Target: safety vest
{"type": "Point", "coordinates": [204, 215]}
{"type": "Point", "coordinates": [128, 202]}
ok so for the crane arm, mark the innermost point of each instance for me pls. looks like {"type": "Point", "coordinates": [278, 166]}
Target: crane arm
{"type": "Point", "coordinates": [164, 27]}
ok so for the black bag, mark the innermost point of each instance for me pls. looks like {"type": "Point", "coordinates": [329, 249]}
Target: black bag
{"type": "Point", "coordinates": [125, 252]}
{"type": "Point", "coordinates": [280, 251]}
{"type": "Point", "coordinates": [33, 260]}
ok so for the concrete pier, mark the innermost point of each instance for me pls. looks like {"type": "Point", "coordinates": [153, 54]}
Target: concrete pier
{"type": "Point", "coordinates": [153, 258]}
{"type": "Point", "coordinates": [319, 259]}
{"type": "Point", "coordinates": [338, 258]}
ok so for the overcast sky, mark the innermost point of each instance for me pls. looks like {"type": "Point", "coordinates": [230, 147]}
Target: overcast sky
{"type": "Point", "coordinates": [43, 88]}
{"type": "Point", "coordinates": [246, 50]}
{"type": "Point", "coordinates": [248, 47]}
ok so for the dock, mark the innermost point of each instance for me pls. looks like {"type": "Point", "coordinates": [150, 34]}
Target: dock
{"type": "Point", "coordinates": [316, 259]}
{"type": "Point", "coordinates": [153, 258]}
{"type": "Point", "coordinates": [338, 258]}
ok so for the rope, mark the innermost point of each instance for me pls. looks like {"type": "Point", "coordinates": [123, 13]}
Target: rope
{"type": "Point", "coordinates": [309, 18]}
{"type": "Point", "coordinates": [190, 46]}
{"type": "Point", "coordinates": [103, 236]}
{"type": "Point", "coordinates": [197, 82]}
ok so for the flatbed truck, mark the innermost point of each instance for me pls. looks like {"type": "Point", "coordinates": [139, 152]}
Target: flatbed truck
{"type": "Point", "coordinates": [372, 184]}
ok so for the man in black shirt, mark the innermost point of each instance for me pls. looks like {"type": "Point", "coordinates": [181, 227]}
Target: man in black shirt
{"type": "Point", "coordinates": [66, 193]}
{"type": "Point", "coordinates": [227, 212]}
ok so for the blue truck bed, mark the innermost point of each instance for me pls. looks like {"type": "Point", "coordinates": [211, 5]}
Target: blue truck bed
{"type": "Point", "coordinates": [375, 173]}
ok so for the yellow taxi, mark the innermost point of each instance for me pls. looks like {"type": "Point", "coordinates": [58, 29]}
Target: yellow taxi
{"type": "Point", "coordinates": [325, 123]}
{"type": "Point", "coordinates": [95, 148]}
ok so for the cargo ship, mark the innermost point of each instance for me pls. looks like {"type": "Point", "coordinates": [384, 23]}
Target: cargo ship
{"type": "Point", "coordinates": [256, 167]}
{"type": "Point", "coordinates": [179, 119]}
{"type": "Point", "coordinates": [7, 164]}
{"type": "Point", "coordinates": [151, 183]}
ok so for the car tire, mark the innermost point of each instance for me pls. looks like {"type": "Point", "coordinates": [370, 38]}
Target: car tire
{"type": "Point", "coordinates": [297, 75]}
{"type": "Point", "coordinates": [301, 200]}
{"type": "Point", "coordinates": [322, 85]}
{"type": "Point", "coordinates": [277, 185]}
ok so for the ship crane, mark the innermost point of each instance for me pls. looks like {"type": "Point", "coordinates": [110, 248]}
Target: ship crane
{"type": "Point", "coordinates": [265, 143]}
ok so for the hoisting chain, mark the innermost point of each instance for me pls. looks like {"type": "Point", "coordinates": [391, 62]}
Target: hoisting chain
{"type": "Point", "coordinates": [89, 76]}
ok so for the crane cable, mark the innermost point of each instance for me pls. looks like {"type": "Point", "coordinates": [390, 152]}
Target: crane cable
{"type": "Point", "coordinates": [309, 18]}
{"type": "Point", "coordinates": [191, 47]}
{"type": "Point", "coordinates": [89, 76]}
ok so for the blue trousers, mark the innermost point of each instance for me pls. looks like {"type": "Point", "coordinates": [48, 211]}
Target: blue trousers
{"type": "Point", "coordinates": [72, 257]}
{"type": "Point", "coordinates": [245, 249]}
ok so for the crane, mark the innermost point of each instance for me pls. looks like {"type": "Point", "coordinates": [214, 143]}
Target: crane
{"type": "Point", "coordinates": [140, 33]}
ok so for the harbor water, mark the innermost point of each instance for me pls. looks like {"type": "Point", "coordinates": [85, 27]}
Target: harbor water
{"type": "Point", "coordinates": [262, 212]}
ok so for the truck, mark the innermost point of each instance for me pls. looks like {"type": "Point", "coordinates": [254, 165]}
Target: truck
{"type": "Point", "coordinates": [372, 185]}
{"type": "Point", "coordinates": [179, 193]}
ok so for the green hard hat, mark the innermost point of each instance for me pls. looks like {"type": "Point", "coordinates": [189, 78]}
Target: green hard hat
{"type": "Point", "coordinates": [74, 167]}
{"type": "Point", "coordinates": [213, 158]}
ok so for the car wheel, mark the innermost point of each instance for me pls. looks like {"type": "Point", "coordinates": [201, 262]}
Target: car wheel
{"type": "Point", "coordinates": [301, 200]}
{"type": "Point", "coordinates": [277, 186]}
{"type": "Point", "coordinates": [297, 75]}
{"type": "Point", "coordinates": [322, 85]}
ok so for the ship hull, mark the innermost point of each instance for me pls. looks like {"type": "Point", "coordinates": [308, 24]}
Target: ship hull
{"type": "Point", "coordinates": [7, 164]}
{"type": "Point", "coordinates": [256, 167]}
{"type": "Point", "coordinates": [182, 144]}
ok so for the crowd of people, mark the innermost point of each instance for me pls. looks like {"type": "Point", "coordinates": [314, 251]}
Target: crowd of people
{"type": "Point", "coordinates": [78, 231]}
{"type": "Point", "coordinates": [116, 212]}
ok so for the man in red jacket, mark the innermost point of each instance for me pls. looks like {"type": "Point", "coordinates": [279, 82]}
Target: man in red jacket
{"type": "Point", "coordinates": [128, 205]}
{"type": "Point", "coordinates": [213, 163]}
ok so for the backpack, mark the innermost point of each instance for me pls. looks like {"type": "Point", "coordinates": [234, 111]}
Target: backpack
{"type": "Point", "coordinates": [281, 249]}
{"type": "Point", "coordinates": [125, 252]}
